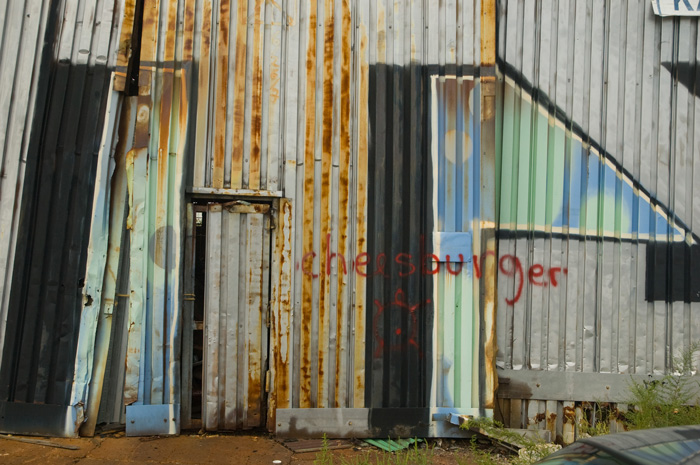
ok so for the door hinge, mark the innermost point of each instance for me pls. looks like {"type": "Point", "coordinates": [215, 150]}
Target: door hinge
{"type": "Point", "coordinates": [267, 381]}
{"type": "Point", "coordinates": [269, 313]}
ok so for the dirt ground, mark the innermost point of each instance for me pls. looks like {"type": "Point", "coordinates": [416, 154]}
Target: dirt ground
{"type": "Point", "coordinates": [196, 449]}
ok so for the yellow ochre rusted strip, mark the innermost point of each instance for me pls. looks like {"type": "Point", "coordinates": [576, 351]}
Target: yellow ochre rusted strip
{"type": "Point", "coordinates": [149, 37]}
{"type": "Point", "coordinates": [188, 32]}
{"type": "Point", "coordinates": [256, 126]}
{"type": "Point", "coordinates": [361, 239]}
{"type": "Point", "coordinates": [221, 93]}
{"type": "Point", "coordinates": [488, 32]}
{"type": "Point", "coordinates": [325, 222]}
{"type": "Point", "coordinates": [307, 258]}
{"type": "Point", "coordinates": [200, 151]}
{"type": "Point", "coordinates": [239, 97]}
{"type": "Point", "coordinates": [341, 365]}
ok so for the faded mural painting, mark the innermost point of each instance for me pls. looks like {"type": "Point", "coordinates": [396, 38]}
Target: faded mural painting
{"type": "Point", "coordinates": [596, 152]}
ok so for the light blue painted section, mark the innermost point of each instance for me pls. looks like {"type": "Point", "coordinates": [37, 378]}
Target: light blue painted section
{"type": "Point", "coordinates": [453, 247]}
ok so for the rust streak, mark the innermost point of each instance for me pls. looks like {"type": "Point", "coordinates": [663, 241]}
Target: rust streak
{"type": "Point", "coordinates": [171, 31]}
{"type": "Point", "coordinates": [279, 392]}
{"type": "Point", "coordinates": [125, 36]}
{"type": "Point", "coordinates": [308, 219]}
{"type": "Point", "coordinates": [203, 101]}
{"type": "Point", "coordinates": [221, 93]}
{"type": "Point", "coordinates": [188, 39]}
{"type": "Point", "coordinates": [488, 32]}
{"type": "Point", "coordinates": [361, 241]}
{"type": "Point", "coordinates": [239, 98]}
{"type": "Point", "coordinates": [490, 343]}
{"type": "Point", "coordinates": [256, 129]}
{"type": "Point", "coordinates": [325, 221]}
{"type": "Point", "coordinates": [343, 198]}
{"type": "Point", "coordinates": [150, 30]}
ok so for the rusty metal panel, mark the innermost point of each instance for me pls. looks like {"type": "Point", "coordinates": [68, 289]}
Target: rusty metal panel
{"type": "Point", "coordinates": [598, 222]}
{"type": "Point", "coordinates": [236, 320]}
{"type": "Point", "coordinates": [155, 167]}
{"type": "Point", "coordinates": [239, 118]}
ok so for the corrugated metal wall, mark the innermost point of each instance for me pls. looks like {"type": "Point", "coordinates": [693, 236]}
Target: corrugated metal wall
{"type": "Point", "coordinates": [70, 83]}
{"type": "Point", "coordinates": [285, 104]}
{"type": "Point", "coordinates": [411, 47]}
{"type": "Point", "coordinates": [598, 219]}
{"type": "Point", "coordinates": [23, 28]}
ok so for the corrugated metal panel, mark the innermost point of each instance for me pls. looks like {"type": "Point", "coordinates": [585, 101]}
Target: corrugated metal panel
{"type": "Point", "coordinates": [598, 222]}
{"type": "Point", "coordinates": [155, 178]}
{"type": "Point", "coordinates": [72, 95]}
{"type": "Point", "coordinates": [236, 320]}
{"type": "Point", "coordinates": [278, 91]}
{"type": "Point", "coordinates": [238, 138]}
{"type": "Point", "coordinates": [413, 47]}
{"type": "Point", "coordinates": [456, 145]}
{"type": "Point", "coordinates": [23, 28]}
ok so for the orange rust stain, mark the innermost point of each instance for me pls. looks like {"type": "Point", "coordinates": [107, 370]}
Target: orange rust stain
{"type": "Point", "coordinates": [188, 47]}
{"type": "Point", "coordinates": [361, 242]}
{"type": "Point", "coordinates": [183, 112]}
{"type": "Point", "coordinates": [149, 37]}
{"type": "Point", "coordinates": [256, 122]}
{"type": "Point", "coordinates": [200, 151]}
{"type": "Point", "coordinates": [221, 93]}
{"type": "Point", "coordinates": [490, 343]}
{"type": "Point", "coordinates": [488, 32]}
{"type": "Point", "coordinates": [569, 415]}
{"type": "Point", "coordinates": [343, 196]}
{"type": "Point", "coordinates": [239, 98]}
{"type": "Point", "coordinates": [308, 218]}
{"type": "Point", "coordinates": [170, 32]}
{"type": "Point", "coordinates": [552, 422]}
{"type": "Point", "coordinates": [143, 118]}
{"type": "Point", "coordinates": [280, 391]}
{"type": "Point", "coordinates": [326, 163]}
{"type": "Point", "coordinates": [381, 32]}
{"type": "Point", "coordinates": [127, 26]}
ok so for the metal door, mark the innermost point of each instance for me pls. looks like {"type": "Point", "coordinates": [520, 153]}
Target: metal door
{"type": "Point", "coordinates": [236, 315]}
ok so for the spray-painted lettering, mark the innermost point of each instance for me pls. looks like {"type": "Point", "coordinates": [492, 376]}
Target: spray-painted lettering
{"type": "Point", "coordinates": [404, 264]}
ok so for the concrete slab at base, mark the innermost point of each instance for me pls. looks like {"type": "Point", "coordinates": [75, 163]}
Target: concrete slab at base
{"type": "Point", "coordinates": [373, 423]}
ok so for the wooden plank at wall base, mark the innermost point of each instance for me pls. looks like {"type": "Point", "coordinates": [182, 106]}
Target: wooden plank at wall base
{"type": "Point", "coordinates": [569, 386]}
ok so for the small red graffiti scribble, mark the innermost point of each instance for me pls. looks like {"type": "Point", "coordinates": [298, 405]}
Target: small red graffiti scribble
{"type": "Point", "coordinates": [404, 340]}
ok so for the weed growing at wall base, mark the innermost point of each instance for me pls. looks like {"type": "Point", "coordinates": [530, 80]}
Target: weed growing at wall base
{"type": "Point", "coordinates": [669, 401]}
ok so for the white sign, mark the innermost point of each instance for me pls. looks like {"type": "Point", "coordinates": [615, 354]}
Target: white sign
{"type": "Point", "coordinates": [676, 7]}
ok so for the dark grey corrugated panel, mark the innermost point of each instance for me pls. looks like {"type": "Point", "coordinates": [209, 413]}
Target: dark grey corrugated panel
{"type": "Point", "coordinates": [42, 324]}
{"type": "Point", "coordinates": [599, 223]}
{"type": "Point", "coordinates": [22, 30]}
{"type": "Point", "coordinates": [399, 324]}
{"type": "Point", "coordinates": [408, 44]}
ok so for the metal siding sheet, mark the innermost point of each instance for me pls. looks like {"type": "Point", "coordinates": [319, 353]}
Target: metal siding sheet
{"type": "Point", "coordinates": [600, 185]}
{"type": "Point", "coordinates": [70, 124]}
